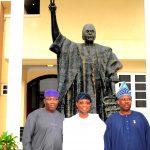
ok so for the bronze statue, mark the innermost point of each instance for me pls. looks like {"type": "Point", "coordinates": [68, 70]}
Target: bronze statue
{"type": "Point", "coordinates": [83, 67]}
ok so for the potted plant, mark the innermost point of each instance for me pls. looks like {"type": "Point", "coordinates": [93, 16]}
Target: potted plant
{"type": "Point", "coordinates": [8, 141]}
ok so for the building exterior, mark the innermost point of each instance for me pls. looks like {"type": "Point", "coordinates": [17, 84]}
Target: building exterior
{"type": "Point", "coordinates": [25, 56]}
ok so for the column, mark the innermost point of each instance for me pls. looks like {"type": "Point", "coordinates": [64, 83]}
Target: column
{"type": "Point", "coordinates": [147, 33]}
{"type": "Point", "coordinates": [15, 67]}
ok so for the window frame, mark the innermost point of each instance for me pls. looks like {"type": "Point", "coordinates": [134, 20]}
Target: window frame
{"type": "Point", "coordinates": [133, 89]}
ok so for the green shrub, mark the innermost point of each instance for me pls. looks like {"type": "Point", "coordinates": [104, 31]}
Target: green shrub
{"type": "Point", "coordinates": [8, 141]}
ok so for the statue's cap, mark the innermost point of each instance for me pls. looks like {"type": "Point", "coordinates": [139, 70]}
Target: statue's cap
{"type": "Point", "coordinates": [123, 90]}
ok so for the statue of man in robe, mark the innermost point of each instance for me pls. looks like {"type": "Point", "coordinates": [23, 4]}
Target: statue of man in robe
{"type": "Point", "coordinates": [83, 67]}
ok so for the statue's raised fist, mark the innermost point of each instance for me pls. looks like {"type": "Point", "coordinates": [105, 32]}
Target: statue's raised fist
{"type": "Point", "coordinates": [52, 6]}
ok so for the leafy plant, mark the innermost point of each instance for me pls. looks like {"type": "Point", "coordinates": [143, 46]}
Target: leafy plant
{"type": "Point", "coordinates": [8, 141]}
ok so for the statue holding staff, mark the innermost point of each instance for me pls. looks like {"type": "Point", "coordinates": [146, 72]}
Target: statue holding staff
{"type": "Point", "coordinates": [83, 67]}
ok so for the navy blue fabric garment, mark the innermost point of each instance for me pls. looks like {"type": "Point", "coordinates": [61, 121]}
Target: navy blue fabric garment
{"type": "Point", "coordinates": [128, 132]}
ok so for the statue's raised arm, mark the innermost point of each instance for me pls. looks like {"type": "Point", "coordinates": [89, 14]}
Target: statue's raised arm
{"type": "Point", "coordinates": [54, 25]}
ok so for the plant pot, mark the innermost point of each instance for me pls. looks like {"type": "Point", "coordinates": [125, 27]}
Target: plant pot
{"type": "Point", "coordinates": [4, 148]}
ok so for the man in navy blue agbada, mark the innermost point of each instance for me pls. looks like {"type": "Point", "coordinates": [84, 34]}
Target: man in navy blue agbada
{"type": "Point", "coordinates": [127, 129]}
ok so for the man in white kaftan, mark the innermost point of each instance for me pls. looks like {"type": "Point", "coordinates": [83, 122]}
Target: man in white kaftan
{"type": "Point", "coordinates": [83, 133]}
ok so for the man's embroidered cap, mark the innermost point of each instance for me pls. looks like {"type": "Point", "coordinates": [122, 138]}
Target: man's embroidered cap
{"type": "Point", "coordinates": [82, 96]}
{"type": "Point", "coordinates": [51, 92]}
{"type": "Point", "coordinates": [123, 90]}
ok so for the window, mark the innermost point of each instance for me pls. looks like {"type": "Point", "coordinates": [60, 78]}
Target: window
{"type": "Point", "coordinates": [4, 89]}
{"type": "Point", "coordinates": [137, 84]}
{"type": "Point", "coordinates": [140, 90]}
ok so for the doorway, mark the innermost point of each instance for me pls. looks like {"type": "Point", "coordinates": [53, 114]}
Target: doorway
{"type": "Point", "coordinates": [35, 91]}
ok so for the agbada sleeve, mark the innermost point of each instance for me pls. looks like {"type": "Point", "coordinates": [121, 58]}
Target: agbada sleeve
{"type": "Point", "coordinates": [68, 134]}
{"type": "Point", "coordinates": [28, 133]}
{"type": "Point", "coordinates": [147, 134]}
{"type": "Point", "coordinates": [65, 135]}
{"type": "Point", "coordinates": [57, 44]}
{"type": "Point", "coordinates": [107, 136]}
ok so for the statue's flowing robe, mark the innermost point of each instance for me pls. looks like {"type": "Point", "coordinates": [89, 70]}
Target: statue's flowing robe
{"type": "Point", "coordinates": [84, 68]}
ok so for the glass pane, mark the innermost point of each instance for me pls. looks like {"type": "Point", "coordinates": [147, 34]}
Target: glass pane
{"type": "Point", "coordinates": [32, 6]}
{"type": "Point", "coordinates": [21, 133]}
{"type": "Point", "coordinates": [140, 103]}
{"type": "Point", "coordinates": [4, 91]}
{"type": "Point", "coordinates": [140, 95]}
{"type": "Point", "coordinates": [140, 78]}
{"type": "Point", "coordinates": [140, 86]}
{"type": "Point", "coordinates": [126, 78]}
{"type": "Point", "coordinates": [5, 87]}
{"type": "Point", "coordinates": [48, 83]}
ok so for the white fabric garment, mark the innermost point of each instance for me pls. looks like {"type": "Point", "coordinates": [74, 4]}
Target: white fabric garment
{"type": "Point", "coordinates": [83, 134]}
